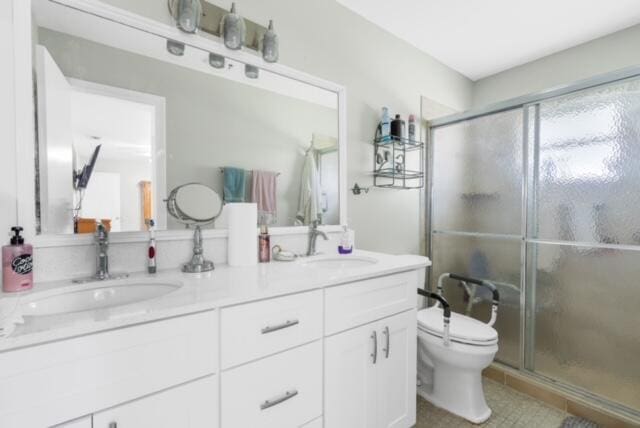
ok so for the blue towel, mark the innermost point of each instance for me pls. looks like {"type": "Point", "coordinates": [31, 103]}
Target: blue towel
{"type": "Point", "coordinates": [234, 184]}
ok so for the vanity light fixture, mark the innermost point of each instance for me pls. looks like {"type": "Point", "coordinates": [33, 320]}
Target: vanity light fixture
{"type": "Point", "coordinates": [216, 61]}
{"type": "Point", "coordinates": [270, 44]}
{"type": "Point", "coordinates": [233, 29]}
{"type": "Point", "coordinates": [251, 71]}
{"type": "Point", "coordinates": [175, 48]}
{"type": "Point", "coordinates": [187, 14]}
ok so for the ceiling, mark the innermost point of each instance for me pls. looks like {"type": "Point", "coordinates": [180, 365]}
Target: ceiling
{"type": "Point", "coordinates": [479, 38]}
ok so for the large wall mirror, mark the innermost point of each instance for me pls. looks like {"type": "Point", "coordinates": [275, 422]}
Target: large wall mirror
{"type": "Point", "coordinates": [124, 116]}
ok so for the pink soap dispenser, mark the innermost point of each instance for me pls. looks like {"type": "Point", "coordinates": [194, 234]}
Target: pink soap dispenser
{"type": "Point", "coordinates": [17, 264]}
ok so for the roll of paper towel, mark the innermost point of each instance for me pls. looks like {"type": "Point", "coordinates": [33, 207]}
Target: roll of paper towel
{"type": "Point", "coordinates": [242, 247]}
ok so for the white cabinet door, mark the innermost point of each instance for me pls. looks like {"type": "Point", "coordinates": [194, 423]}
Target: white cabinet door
{"type": "Point", "coordinates": [350, 378]}
{"type": "Point", "coordinates": [396, 376]}
{"type": "Point", "coordinates": [193, 405]}
{"type": "Point", "coordinates": [370, 375]}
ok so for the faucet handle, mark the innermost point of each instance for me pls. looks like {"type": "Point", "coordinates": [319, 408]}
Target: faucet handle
{"type": "Point", "coordinates": [102, 234]}
{"type": "Point", "coordinates": [315, 224]}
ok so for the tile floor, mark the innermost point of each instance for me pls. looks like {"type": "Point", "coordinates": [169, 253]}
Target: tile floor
{"type": "Point", "coordinates": [510, 409]}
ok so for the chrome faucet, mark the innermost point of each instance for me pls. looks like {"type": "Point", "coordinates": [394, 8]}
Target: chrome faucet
{"type": "Point", "coordinates": [313, 237]}
{"type": "Point", "coordinates": [102, 248]}
{"type": "Point", "coordinates": [102, 258]}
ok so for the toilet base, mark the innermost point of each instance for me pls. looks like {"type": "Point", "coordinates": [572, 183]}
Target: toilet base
{"type": "Point", "coordinates": [451, 376]}
{"type": "Point", "coordinates": [477, 417]}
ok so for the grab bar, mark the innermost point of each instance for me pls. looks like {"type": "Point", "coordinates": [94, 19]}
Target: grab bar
{"type": "Point", "coordinates": [481, 282]}
{"type": "Point", "coordinates": [446, 309]}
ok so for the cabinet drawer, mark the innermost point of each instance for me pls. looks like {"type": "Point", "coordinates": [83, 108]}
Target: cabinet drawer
{"type": "Point", "coordinates": [361, 302]}
{"type": "Point", "coordinates": [255, 330]}
{"type": "Point", "coordinates": [284, 390]}
{"type": "Point", "coordinates": [48, 384]}
{"type": "Point", "coordinates": [193, 405]}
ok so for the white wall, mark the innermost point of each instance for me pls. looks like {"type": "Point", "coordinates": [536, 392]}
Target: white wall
{"type": "Point", "coordinates": [609, 53]}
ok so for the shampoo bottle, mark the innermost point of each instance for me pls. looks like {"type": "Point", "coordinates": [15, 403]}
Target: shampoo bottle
{"type": "Point", "coordinates": [385, 125]}
{"type": "Point", "coordinates": [17, 264]}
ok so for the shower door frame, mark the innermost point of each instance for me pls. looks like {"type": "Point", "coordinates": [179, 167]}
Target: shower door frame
{"type": "Point", "coordinates": [529, 105]}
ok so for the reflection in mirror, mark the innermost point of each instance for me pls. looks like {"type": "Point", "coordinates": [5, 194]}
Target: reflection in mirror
{"type": "Point", "coordinates": [162, 121]}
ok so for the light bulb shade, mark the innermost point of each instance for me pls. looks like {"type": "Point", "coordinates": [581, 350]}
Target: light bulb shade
{"type": "Point", "coordinates": [175, 48]}
{"type": "Point", "coordinates": [216, 61]}
{"type": "Point", "coordinates": [251, 71]}
{"type": "Point", "coordinates": [233, 29]}
{"type": "Point", "coordinates": [270, 45]}
{"type": "Point", "coordinates": [188, 15]}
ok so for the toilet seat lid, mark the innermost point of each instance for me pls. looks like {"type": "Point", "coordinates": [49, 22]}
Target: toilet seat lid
{"type": "Point", "coordinates": [462, 328]}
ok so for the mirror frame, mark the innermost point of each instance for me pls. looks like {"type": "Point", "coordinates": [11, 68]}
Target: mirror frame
{"type": "Point", "coordinates": [25, 136]}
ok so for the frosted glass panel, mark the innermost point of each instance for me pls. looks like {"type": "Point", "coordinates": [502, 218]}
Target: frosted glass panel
{"type": "Point", "coordinates": [587, 331]}
{"type": "Point", "coordinates": [477, 174]}
{"type": "Point", "coordinates": [495, 259]}
{"type": "Point", "coordinates": [589, 166]}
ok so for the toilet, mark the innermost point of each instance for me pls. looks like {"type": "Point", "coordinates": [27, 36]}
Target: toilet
{"type": "Point", "coordinates": [452, 352]}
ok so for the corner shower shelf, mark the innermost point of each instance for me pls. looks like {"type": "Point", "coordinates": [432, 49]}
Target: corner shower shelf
{"type": "Point", "coordinates": [390, 160]}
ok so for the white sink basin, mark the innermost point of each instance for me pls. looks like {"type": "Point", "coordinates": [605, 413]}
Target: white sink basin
{"type": "Point", "coordinates": [94, 296]}
{"type": "Point", "coordinates": [339, 262]}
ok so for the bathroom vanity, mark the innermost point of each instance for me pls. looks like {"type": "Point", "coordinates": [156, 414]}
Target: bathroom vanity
{"type": "Point", "coordinates": [325, 341]}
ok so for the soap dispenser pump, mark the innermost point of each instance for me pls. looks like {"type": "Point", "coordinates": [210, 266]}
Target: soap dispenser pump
{"type": "Point", "coordinates": [17, 264]}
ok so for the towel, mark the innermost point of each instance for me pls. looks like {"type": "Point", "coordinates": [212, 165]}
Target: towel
{"type": "Point", "coordinates": [263, 193]}
{"type": "Point", "coordinates": [310, 200]}
{"type": "Point", "coordinates": [234, 184]}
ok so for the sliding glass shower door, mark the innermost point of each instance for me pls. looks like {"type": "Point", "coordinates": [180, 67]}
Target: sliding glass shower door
{"type": "Point", "coordinates": [544, 200]}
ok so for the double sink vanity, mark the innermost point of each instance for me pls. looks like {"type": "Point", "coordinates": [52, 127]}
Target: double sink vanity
{"type": "Point", "coordinates": [323, 341]}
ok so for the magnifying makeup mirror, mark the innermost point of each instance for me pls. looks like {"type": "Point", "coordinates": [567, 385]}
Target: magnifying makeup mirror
{"type": "Point", "coordinates": [194, 204]}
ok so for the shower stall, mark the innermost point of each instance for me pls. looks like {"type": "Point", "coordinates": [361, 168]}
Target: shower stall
{"type": "Point", "coordinates": [542, 197]}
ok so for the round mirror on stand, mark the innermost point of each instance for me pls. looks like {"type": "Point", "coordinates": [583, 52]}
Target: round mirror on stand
{"type": "Point", "coordinates": [194, 204]}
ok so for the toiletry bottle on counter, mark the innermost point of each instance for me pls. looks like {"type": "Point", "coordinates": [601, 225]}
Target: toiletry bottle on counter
{"type": "Point", "coordinates": [17, 264]}
{"type": "Point", "coordinates": [346, 241]}
{"type": "Point", "coordinates": [151, 252]}
{"type": "Point", "coordinates": [264, 245]}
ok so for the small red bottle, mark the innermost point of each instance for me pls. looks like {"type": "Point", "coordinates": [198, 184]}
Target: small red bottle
{"type": "Point", "coordinates": [264, 245]}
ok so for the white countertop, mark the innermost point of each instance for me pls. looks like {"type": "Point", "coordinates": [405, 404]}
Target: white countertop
{"type": "Point", "coordinates": [225, 286]}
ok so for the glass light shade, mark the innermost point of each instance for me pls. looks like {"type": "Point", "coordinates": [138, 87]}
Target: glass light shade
{"type": "Point", "coordinates": [189, 14]}
{"type": "Point", "coordinates": [175, 48]}
{"type": "Point", "coordinates": [216, 61]}
{"type": "Point", "coordinates": [270, 45]}
{"type": "Point", "coordinates": [233, 29]}
{"type": "Point", "coordinates": [251, 71]}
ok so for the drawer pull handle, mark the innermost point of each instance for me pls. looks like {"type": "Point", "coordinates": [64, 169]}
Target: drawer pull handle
{"type": "Point", "coordinates": [113, 425]}
{"type": "Point", "coordinates": [386, 346]}
{"type": "Point", "coordinates": [374, 354]}
{"type": "Point", "coordinates": [275, 401]}
{"type": "Point", "coordinates": [286, 324]}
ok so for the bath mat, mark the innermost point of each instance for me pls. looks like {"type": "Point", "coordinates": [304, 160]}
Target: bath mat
{"type": "Point", "coordinates": [576, 422]}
